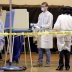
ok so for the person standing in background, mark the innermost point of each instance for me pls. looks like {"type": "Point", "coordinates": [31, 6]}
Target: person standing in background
{"type": "Point", "coordinates": [1, 37]}
{"type": "Point", "coordinates": [64, 23]}
{"type": "Point", "coordinates": [45, 23]}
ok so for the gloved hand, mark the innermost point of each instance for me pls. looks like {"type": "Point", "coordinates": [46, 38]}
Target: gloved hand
{"type": "Point", "coordinates": [35, 27]}
{"type": "Point", "coordinates": [32, 24]}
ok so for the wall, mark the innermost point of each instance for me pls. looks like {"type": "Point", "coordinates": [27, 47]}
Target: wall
{"type": "Point", "coordinates": [37, 2]}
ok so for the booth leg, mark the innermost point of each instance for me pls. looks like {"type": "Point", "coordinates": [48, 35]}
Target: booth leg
{"type": "Point", "coordinates": [30, 52]}
{"type": "Point", "coordinates": [25, 51]}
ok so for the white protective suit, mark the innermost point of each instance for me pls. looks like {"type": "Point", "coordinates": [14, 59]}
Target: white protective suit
{"type": "Point", "coordinates": [1, 37]}
{"type": "Point", "coordinates": [45, 21]}
{"type": "Point", "coordinates": [64, 23]}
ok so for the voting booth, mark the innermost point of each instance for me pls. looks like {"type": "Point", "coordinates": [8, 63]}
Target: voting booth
{"type": "Point", "coordinates": [20, 23]}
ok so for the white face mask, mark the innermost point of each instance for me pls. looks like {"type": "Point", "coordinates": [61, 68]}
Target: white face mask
{"type": "Point", "coordinates": [42, 9]}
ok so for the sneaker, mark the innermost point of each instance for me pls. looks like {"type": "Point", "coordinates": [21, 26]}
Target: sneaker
{"type": "Point", "coordinates": [68, 68]}
{"type": "Point", "coordinates": [46, 65]}
{"type": "Point", "coordinates": [38, 65]}
{"type": "Point", "coordinates": [59, 68]}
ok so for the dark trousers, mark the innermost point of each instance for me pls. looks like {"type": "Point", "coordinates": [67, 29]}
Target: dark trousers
{"type": "Point", "coordinates": [18, 42]}
{"type": "Point", "coordinates": [64, 54]}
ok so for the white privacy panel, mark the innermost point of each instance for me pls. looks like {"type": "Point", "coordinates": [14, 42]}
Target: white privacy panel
{"type": "Point", "coordinates": [21, 19]}
{"type": "Point", "coordinates": [3, 17]}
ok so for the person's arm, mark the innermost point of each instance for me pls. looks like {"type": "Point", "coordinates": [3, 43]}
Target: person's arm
{"type": "Point", "coordinates": [2, 40]}
{"type": "Point", "coordinates": [1, 27]}
{"type": "Point", "coordinates": [38, 24]}
{"type": "Point", "coordinates": [1, 30]}
{"type": "Point", "coordinates": [57, 25]}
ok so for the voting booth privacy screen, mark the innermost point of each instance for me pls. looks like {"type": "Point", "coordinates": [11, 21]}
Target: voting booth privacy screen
{"type": "Point", "coordinates": [20, 19]}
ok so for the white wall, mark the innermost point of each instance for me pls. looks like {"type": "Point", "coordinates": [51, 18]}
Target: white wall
{"type": "Point", "coordinates": [37, 2]}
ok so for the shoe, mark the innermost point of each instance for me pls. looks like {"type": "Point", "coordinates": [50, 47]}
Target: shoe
{"type": "Point", "coordinates": [68, 68]}
{"type": "Point", "coordinates": [38, 65]}
{"type": "Point", "coordinates": [60, 68]}
{"type": "Point", "coordinates": [46, 65]}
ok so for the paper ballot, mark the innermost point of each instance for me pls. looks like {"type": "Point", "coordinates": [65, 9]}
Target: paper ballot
{"type": "Point", "coordinates": [21, 19]}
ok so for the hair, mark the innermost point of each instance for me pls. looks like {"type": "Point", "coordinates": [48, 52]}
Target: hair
{"type": "Point", "coordinates": [67, 10]}
{"type": "Point", "coordinates": [45, 3]}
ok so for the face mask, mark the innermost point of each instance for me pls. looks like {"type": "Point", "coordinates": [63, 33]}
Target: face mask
{"type": "Point", "coordinates": [42, 9]}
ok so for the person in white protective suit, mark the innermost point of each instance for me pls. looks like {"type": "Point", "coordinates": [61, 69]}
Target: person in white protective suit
{"type": "Point", "coordinates": [64, 23]}
{"type": "Point", "coordinates": [45, 22]}
{"type": "Point", "coordinates": [1, 37]}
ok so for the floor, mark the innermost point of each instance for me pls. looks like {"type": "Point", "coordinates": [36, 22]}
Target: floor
{"type": "Point", "coordinates": [52, 68]}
